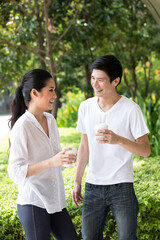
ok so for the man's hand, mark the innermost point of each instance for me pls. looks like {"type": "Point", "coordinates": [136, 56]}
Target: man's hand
{"type": "Point", "coordinates": [107, 136]}
{"type": "Point", "coordinates": [76, 194]}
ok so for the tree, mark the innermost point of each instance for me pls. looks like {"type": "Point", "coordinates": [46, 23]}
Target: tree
{"type": "Point", "coordinates": [133, 40]}
{"type": "Point", "coordinates": [32, 30]}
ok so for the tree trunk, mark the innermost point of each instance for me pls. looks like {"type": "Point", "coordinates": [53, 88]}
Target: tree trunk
{"type": "Point", "coordinates": [51, 62]}
{"type": "Point", "coordinates": [89, 89]}
{"type": "Point", "coordinates": [40, 38]}
{"type": "Point", "coordinates": [134, 77]}
{"type": "Point", "coordinates": [128, 85]}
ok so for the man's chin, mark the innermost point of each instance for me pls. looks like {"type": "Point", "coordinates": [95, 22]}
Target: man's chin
{"type": "Point", "coordinates": [98, 94]}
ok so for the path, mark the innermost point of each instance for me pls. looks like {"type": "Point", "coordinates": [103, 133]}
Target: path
{"type": "Point", "coordinates": [4, 129]}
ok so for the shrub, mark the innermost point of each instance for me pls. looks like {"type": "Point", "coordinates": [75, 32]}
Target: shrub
{"type": "Point", "coordinates": [146, 173]}
{"type": "Point", "coordinates": [67, 115]}
{"type": "Point", "coordinates": [151, 111]}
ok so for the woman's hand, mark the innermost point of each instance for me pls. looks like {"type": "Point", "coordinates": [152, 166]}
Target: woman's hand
{"type": "Point", "coordinates": [61, 158]}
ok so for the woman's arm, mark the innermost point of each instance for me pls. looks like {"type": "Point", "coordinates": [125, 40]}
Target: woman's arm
{"type": "Point", "coordinates": [58, 160]}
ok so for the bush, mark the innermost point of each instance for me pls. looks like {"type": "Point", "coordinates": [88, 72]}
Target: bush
{"type": "Point", "coordinates": [67, 115]}
{"type": "Point", "coordinates": [146, 173]}
{"type": "Point", "coordinates": [151, 111]}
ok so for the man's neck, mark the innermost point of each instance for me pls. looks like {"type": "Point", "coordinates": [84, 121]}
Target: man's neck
{"type": "Point", "coordinates": [106, 103]}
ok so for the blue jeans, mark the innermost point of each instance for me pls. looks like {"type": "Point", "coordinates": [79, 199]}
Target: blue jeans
{"type": "Point", "coordinates": [99, 200]}
{"type": "Point", "coordinates": [38, 224]}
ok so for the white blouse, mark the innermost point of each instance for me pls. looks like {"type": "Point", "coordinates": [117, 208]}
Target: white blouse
{"type": "Point", "coordinates": [30, 144]}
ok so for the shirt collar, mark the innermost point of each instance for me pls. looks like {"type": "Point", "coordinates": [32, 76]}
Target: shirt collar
{"type": "Point", "coordinates": [33, 119]}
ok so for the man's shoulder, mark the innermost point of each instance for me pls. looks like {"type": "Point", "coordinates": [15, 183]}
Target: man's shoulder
{"type": "Point", "coordinates": [89, 101]}
{"type": "Point", "coordinates": [129, 103]}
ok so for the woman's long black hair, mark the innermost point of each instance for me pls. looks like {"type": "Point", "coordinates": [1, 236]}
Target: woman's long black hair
{"type": "Point", "coordinates": [36, 79]}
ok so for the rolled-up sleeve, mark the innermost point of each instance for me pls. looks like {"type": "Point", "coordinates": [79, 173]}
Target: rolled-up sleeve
{"type": "Point", "coordinates": [18, 158]}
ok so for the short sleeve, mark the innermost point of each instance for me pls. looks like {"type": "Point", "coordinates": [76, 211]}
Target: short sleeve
{"type": "Point", "coordinates": [138, 125]}
{"type": "Point", "coordinates": [81, 115]}
{"type": "Point", "coordinates": [18, 158]}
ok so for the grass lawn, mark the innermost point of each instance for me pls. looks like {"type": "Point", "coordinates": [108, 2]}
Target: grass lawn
{"type": "Point", "coordinates": [146, 175]}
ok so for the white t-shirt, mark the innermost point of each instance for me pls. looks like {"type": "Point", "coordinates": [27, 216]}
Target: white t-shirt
{"type": "Point", "coordinates": [110, 163]}
{"type": "Point", "coordinates": [30, 144]}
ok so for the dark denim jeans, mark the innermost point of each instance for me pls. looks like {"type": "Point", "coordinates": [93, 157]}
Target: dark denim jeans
{"type": "Point", "coordinates": [38, 224]}
{"type": "Point", "coordinates": [99, 200]}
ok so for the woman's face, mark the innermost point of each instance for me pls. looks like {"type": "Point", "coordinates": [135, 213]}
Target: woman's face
{"type": "Point", "coordinates": [47, 96]}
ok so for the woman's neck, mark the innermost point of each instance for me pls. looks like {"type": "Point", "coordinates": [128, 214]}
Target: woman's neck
{"type": "Point", "coordinates": [37, 113]}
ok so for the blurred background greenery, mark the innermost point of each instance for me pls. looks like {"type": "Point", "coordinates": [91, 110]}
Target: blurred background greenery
{"type": "Point", "coordinates": [65, 37]}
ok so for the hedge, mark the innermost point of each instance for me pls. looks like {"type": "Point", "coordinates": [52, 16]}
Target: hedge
{"type": "Point", "coordinates": [146, 184]}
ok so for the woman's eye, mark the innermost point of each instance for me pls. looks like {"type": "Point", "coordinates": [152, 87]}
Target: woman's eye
{"type": "Point", "coordinates": [51, 90]}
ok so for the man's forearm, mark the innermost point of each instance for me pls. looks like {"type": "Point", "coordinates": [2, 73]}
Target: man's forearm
{"type": "Point", "coordinates": [82, 159]}
{"type": "Point", "coordinates": [137, 147]}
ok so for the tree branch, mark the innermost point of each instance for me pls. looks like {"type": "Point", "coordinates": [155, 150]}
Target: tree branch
{"type": "Point", "coordinates": [20, 7]}
{"type": "Point", "coordinates": [128, 85]}
{"type": "Point", "coordinates": [26, 48]}
{"type": "Point", "coordinates": [48, 3]}
{"type": "Point", "coordinates": [61, 58]}
{"type": "Point", "coordinates": [69, 26]}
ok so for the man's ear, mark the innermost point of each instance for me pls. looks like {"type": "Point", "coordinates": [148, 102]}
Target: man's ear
{"type": "Point", "coordinates": [116, 81]}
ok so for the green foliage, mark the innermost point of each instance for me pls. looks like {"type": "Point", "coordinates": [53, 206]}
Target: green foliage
{"type": "Point", "coordinates": [69, 137]}
{"type": "Point", "coordinates": [146, 174]}
{"type": "Point", "coordinates": [101, 27]}
{"type": "Point", "coordinates": [151, 111]}
{"type": "Point", "coordinates": [10, 227]}
{"type": "Point", "coordinates": [68, 113]}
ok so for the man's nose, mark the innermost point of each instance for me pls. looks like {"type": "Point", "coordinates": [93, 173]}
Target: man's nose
{"type": "Point", "coordinates": [95, 84]}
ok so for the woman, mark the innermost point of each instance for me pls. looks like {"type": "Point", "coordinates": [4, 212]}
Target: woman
{"type": "Point", "coordinates": [36, 160]}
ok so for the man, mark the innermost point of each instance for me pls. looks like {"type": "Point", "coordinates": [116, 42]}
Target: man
{"type": "Point", "coordinates": [109, 181]}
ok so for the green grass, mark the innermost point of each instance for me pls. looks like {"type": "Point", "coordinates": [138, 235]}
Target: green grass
{"type": "Point", "coordinates": [146, 175]}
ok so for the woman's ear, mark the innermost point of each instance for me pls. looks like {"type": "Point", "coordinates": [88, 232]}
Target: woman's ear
{"type": "Point", "coordinates": [34, 93]}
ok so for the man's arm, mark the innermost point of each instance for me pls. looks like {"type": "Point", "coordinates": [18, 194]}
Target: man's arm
{"type": "Point", "coordinates": [82, 159]}
{"type": "Point", "coordinates": [139, 147]}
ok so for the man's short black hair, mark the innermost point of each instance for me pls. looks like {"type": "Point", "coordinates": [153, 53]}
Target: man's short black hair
{"type": "Point", "coordinates": [110, 65]}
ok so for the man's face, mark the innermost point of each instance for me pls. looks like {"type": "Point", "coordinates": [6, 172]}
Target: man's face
{"type": "Point", "coordinates": [101, 83]}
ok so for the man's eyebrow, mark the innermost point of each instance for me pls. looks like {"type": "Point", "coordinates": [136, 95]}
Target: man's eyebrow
{"type": "Point", "coordinates": [98, 77]}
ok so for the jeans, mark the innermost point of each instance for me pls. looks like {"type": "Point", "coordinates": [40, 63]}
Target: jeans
{"type": "Point", "coordinates": [38, 224]}
{"type": "Point", "coordinates": [99, 200]}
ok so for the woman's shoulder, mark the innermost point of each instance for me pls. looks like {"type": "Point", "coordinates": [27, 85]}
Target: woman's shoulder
{"type": "Point", "coordinates": [21, 122]}
{"type": "Point", "coordinates": [49, 116]}
{"type": "Point", "coordinates": [20, 126]}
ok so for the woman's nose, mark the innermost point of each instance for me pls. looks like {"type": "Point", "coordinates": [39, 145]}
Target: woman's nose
{"type": "Point", "coordinates": [54, 95]}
